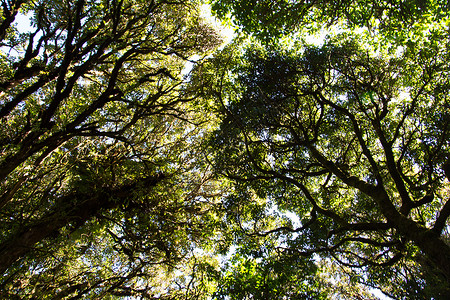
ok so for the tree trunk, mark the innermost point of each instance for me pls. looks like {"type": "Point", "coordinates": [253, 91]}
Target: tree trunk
{"type": "Point", "coordinates": [436, 250]}
{"type": "Point", "coordinates": [426, 239]}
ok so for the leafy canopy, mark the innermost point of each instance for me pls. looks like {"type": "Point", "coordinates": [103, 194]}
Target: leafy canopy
{"type": "Point", "coordinates": [352, 140]}
{"type": "Point", "coordinates": [274, 169]}
{"type": "Point", "coordinates": [103, 190]}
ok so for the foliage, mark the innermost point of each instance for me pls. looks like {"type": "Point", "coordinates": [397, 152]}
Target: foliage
{"type": "Point", "coordinates": [104, 193]}
{"type": "Point", "coordinates": [253, 278]}
{"type": "Point", "coordinates": [354, 143]}
{"type": "Point", "coordinates": [274, 169]}
{"type": "Point", "coordinates": [269, 19]}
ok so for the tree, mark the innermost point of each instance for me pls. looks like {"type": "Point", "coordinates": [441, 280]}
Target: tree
{"type": "Point", "coordinates": [102, 181]}
{"type": "Point", "coordinates": [355, 144]}
{"type": "Point", "coordinates": [269, 20]}
{"type": "Point", "coordinates": [106, 191]}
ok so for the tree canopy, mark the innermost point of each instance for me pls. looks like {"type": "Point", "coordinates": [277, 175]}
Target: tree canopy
{"type": "Point", "coordinates": [355, 146]}
{"type": "Point", "coordinates": [268, 19]}
{"type": "Point", "coordinates": [273, 169]}
{"type": "Point", "coordinates": [103, 189]}
{"type": "Point", "coordinates": [351, 136]}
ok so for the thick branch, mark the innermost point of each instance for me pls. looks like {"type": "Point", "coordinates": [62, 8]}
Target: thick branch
{"type": "Point", "coordinates": [9, 14]}
{"type": "Point", "coordinates": [357, 130]}
{"type": "Point", "coordinates": [75, 208]}
{"type": "Point", "coordinates": [441, 220]}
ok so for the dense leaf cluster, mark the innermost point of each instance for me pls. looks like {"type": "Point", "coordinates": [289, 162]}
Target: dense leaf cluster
{"type": "Point", "coordinates": [269, 19]}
